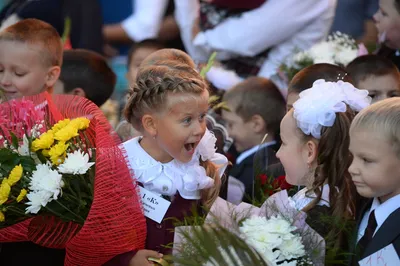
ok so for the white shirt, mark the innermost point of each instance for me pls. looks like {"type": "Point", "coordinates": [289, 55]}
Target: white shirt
{"type": "Point", "coordinates": [146, 20]}
{"type": "Point", "coordinates": [283, 25]}
{"type": "Point", "coordinates": [382, 212]}
{"type": "Point", "coordinates": [302, 198]}
{"type": "Point", "coordinates": [169, 178]}
{"type": "Point", "coordinates": [253, 150]}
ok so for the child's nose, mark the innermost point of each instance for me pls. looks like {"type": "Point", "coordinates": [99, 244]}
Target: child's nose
{"type": "Point", "coordinates": [353, 168]}
{"type": "Point", "coordinates": [375, 17]}
{"type": "Point", "coordinates": [5, 80]}
{"type": "Point", "coordinates": [199, 129]}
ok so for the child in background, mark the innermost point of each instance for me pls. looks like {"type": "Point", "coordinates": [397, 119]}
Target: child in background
{"type": "Point", "coordinates": [87, 74]}
{"type": "Point", "coordinates": [175, 156]}
{"type": "Point", "coordinates": [31, 54]}
{"type": "Point", "coordinates": [136, 55]}
{"type": "Point", "coordinates": [376, 74]}
{"type": "Point", "coordinates": [30, 58]}
{"type": "Point", "coordinates": [305, 78]}
{"type": "Point", "coordinates": [256, 108]}
{"type": "Point", "coordinates": [374, 143]}
{"type": "Point", "coordinates": [315, 154]}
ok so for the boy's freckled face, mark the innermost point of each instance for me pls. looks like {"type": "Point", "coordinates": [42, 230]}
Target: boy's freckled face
{"type": "Point", "coordinates": [22, 71]}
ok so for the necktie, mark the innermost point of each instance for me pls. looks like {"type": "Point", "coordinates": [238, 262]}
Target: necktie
{"type": "Point", "coordinates": [368, 234]}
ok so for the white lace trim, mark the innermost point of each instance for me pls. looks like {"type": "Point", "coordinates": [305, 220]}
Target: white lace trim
{"type": "Point", "coordinates": [169, 178]}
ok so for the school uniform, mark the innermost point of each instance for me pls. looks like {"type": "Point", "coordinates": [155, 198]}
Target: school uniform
{"type": "Point", "coordinates": [249, 164]}
{"type": "Point", "coordinates": [378, 233]}
{"type": "Point", "coordinates": [176, 182]}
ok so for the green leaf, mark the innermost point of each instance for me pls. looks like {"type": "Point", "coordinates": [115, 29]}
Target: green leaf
{"type": "Point", "coordinates": [27, 163]}
{"type": "Point", "coordinates": [67, 29]}
{"type": "Point", "coordinates": [14, 140]}
{"type": "Point", "coordinates": [210, 63]}
{"type": "Point", "coordinates": [41, 157]}
{"type": "Point", "coordinates": [6, 155]}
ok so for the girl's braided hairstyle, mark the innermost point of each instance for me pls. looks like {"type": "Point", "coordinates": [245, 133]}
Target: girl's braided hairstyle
{"type": "Point", "coordinates": [167, 72]}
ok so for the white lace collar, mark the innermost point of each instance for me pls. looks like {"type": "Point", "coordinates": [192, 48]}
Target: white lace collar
{"type": "Point", "coordinates": [301, 199]}
{"type": "Point", "coordinates": [169, 178]}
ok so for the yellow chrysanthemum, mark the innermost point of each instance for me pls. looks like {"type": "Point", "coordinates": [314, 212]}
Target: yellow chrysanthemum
{"type": "Point", "coordinates": [15, 175]}
{"type": "Point", "coordinates": [80, 123]}
{"type": "Point", "coordinates": [2, 217]}
{"type": "Point", "coordinates": [22, 195]}
{"type": "Point", "coordinates": [57, 153]}
{"type": "Point", "coordinates": [60, 125]}
{"type": "Point", "coordinates": [66, 133]}
{"type": "Point", "coordinates": [45, 153]}
{"type": "Point", "coordinates": [44, 141]}
{"type": "Point", "coordinates": [4, 191]}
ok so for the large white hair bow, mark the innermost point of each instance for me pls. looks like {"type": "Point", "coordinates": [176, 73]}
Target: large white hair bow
{"type": "Point", "coordinates": [317, 106]}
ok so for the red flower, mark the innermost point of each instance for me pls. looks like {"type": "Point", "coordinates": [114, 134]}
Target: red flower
{"type": "Point", "coordinates": [263, 179]}
{"type": "Point", "coordinates": [281, 183]}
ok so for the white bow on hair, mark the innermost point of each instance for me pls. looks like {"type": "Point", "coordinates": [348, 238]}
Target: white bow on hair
{"type": "Point", "coordinates": [317, 106]}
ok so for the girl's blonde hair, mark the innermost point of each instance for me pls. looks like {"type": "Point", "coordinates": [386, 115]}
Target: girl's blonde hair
{"type": "Point", "coordinates": [382, 117]}
{"type": "Point", "coordinates": [167, 72]}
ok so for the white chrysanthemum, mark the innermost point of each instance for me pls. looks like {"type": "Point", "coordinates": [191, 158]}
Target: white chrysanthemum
{"type": "Point", "coordinates": [76, 163]}
{"type": "Point", "coordinates": [292, 248]}
{"type": "Point", "coordinates": [345, 55]}
{"type": "Point", "coordinates": [278, 225]}
{"type": "Point", "coordinates": [272, 238]}
{"type": "Point", "coordinates": [46, 179]}
{"type": "Point", "coordinates": [37, 200]}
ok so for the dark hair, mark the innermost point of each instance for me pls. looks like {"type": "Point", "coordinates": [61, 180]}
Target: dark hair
{"type": "Point", "coordinates": [371, 65]}
{"type": "Point", "coordinates": [334, 159]}
{"type": "Point", "coordinates": [37, 32]}
{"type": "Point", "coordinates": [89, 71]}
{"type": "Point", "coordinates": [258, 96]}
{"type": "Point", "coordinates": [152, 44]}
{"type": "Point", "coordinates": [397, 5]}
{"type": "Point", "coordinates": [305, 78]}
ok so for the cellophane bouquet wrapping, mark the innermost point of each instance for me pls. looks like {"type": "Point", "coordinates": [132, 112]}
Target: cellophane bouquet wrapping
{"type": "Point", "coordinates": [64, 180]}
{"type": "Point", "coordinates": [274, 234]}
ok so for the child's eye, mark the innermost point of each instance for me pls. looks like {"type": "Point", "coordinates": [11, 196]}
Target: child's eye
{"type": "Point", "coordinates": [202, 117]}
{"type": "Point", "coordinates": [395, 94]}
{"type": "Point", "coordinates": [19, 74]}
{"type": "Point", "coordinates": [187, 120]}
{"type": "Point", "coordinates": [366, 160]}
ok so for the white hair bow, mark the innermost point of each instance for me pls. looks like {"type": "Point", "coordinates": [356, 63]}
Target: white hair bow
{"type": "Point", "coordinates": [317, 106]}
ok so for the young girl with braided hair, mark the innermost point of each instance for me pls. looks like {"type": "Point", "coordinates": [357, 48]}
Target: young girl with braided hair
{"type": "Point", "coordinates": [175, 157]}
{"type": "Point", "coordinates": [315, 153]}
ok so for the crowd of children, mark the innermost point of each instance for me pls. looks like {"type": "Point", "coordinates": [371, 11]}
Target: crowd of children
{"type": "Point", "coordinates": [325, 137]}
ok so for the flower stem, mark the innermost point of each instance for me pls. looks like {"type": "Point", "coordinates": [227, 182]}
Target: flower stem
{"type": "Point", "coordinates": [80, 220]}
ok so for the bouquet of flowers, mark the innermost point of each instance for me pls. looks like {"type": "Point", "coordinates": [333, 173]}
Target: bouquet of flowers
{"type": "Point", "coordinates": [275, 234]}
{"type": "Point", "coordinates": [64, 180]}
{"type": "Point", "coordinates": [339, 49]}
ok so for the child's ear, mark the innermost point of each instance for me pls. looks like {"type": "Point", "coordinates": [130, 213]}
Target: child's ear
{"type": "Point", "coordinates": [52, 76]}
{"type": "Point", "coordinates": [312, 152]}
{"type": "Point", "coordinates": [149, 123]}
{"type": "Point", "coordinates": [258, 124]}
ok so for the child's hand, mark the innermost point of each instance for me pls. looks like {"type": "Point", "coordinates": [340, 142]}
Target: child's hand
{"type": "Point", "coordinates": [141, 257]}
